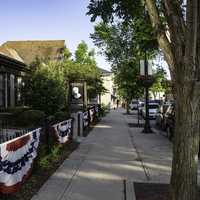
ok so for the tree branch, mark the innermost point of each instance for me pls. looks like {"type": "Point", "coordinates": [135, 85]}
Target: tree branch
{"type": "Point", "coordinates": [161, 35]}
{"type": "Point", "coordinates": [174, 15]}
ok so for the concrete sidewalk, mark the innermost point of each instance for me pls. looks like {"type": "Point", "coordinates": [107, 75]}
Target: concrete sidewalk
{"type": "Point", "coordinates": [108, 161]}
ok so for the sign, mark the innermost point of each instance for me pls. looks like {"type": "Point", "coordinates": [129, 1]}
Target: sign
{"type": "Point", "coordinates": [77, 95]}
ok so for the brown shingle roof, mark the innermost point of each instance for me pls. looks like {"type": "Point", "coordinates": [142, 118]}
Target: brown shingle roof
{"type": "Point", "coordinates": [11, 53]}
{"type": "Point", "coordinates": [28, 51]}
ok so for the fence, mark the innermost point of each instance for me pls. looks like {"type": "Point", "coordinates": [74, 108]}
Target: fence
{"type": "Point", "coordinates": [17, 155]}
{"type": "Point", "coordinates": [7, 130]}
{"type": "Point", "coordinates": [16, 160]}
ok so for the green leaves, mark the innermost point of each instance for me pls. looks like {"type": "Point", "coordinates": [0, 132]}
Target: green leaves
{"type": "Point", "coordinates": [47, 87]}
{"type": "Point", "coordinates": [109, 9]}
{"type": "Point", "coordinates": [160, 81]}
{"type": "Point", "coordinates": [84, 56]}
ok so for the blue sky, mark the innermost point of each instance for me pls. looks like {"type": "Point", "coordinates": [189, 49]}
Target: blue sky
{"type": "Point", "coordinates": [47, 20]}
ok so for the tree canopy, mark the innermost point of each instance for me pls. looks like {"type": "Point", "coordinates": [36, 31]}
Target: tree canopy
{"type": "Point", "coordinates": [122, 45]}
{"type": "Point", "coordinates": [46, 88]}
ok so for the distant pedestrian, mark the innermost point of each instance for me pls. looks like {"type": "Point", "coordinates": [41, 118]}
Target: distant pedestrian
{"type": "Point", "coordinates": [117, 103]}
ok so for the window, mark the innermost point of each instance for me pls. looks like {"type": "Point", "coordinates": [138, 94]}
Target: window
{"type": "Point", "coordinates": [2, 90]}
{"type": "Point", "coordinates": [18, 88]}
{"type": "Point", "coordinates": [12, 90]}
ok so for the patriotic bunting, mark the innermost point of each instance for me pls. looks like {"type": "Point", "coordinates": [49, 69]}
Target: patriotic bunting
{"type": "Point", "coordinates": [16, 159]}
{"type": "Point", "coordinates": [85, 119]}
{"type": "Point", "coordinates": [63, 131]}
{"type": "Point", "coordinates": [92, 114]}
{"type": "Point", "coordinates": [96, 109]}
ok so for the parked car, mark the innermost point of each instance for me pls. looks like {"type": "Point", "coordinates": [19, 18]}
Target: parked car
{"type": "Point", "coordinates": [160, 115]}
{"type": "Point", "coordinates": [170, 123]}
{"type": "Point", "coordinates": [135, 104]}
{"type": "Point", "coordinates": [167, 113]}
{"type": "Point", "coordinates": [156, 101]}
{"type": "Point", "coordinates": [141, 107]}
{"type": "Point", "coordinates": [153, 110]}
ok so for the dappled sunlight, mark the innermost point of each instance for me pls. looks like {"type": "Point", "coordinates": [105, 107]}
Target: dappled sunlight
{"type": "Point", "coordinates": [158, 167]}
{"type": "Point", "coordinates": [99, 175]}
{"type": "Point", "coordinates": [102, 126]}
{"type": "Point", "coordinates": [63, 174]}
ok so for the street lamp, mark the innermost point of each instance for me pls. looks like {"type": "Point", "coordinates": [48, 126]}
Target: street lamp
{"type": "Point", "coordinates": [147, 79]}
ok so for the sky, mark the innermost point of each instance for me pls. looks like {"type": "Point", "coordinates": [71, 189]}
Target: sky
{"type": "Point", "coordinates": [48, 20]}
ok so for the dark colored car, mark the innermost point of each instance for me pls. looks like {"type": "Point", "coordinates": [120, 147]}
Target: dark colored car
{"type": "Point", "coordinates": [158, 101]}
{"type": "Point", "coordinates": [170, 122]}
{"type": "Point", "coordinates": [160, 115]}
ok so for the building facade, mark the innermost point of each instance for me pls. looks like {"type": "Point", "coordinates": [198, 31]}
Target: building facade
{"type": "Point", "coordinates": [11, 73]}
{"type": "Point", "coordinates": [109, 97]}
{"type": "Point", "coordinates": [15, 56]}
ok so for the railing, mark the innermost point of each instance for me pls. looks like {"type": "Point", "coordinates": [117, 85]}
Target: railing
{"type": "Point", "coordinates": [17, 155]}
{"type": "Point", "coordinates": [19, 148]}
{"type": "Point", "coordinates": [7, 130]}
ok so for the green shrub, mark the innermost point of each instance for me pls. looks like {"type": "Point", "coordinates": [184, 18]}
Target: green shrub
{"type": "Point", "coordinates": [17, 110]}
{"type": "Point", "coordinates": [45, 89]}
{"type": "Point", "coordinates": [31, 118]}
{"type": "Point", "coordinates": [103, 110]}
{"type": "Point", "coordinates": [45, 160]}
{"type": "Point", "coordinates": [61, 116]}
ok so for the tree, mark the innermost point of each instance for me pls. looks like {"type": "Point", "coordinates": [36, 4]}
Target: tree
{"type": "Point", "coordinates": [89, 73]}
{"type": "Point", "coordinates": [84, 67]}
{"type": "Point", "coordinates": [45, 88]}
{"type": "Point", "coordinates": [119, 44]}
{"type": "Point", "coordinates": [83, 56]}
{"type": "Point", "coordinates": [176, 25]}
{"type": "Point", "coordinates": [127, 82]}
{"type": "Point", "coordinates": [159, 84]}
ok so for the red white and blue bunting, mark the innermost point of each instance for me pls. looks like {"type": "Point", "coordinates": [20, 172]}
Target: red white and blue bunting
{"type": "Point", "coordinates": [16, 159]}
{"type": "Point", "coordinates": [92, 114]}
{"type": "Point", "coordinates": [96, 109]}
{"type": "Point", "coordinates": [85, 119]}
{"type": "Point", "coordinates": [63, 131]}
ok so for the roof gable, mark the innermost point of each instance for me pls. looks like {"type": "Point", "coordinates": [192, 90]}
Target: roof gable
{"type": "Point", "coordinates": [28, 51]}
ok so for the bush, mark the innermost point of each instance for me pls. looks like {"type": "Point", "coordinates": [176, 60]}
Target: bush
{"type": "Point", "coordinates": [103, 110]}
{"type": "Point", "coordinates": [61, 116]}
{"type": "Point", "coordinates": [31, 118]}
{"type": "Point", "coordinates": [17, 110]}
{"type": "Point", "coordinates": [45, 89]}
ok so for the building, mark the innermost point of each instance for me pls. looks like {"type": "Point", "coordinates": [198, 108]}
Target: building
{"type": "Point", "coordinates": [109, 97]}
{"type": "Point", "coordinates": [15, 56]}
{"type": "Point", "coordinates": [23, 53]}
{"type": "Point", "coordinates": [11, 73]}
{"type": "Point", "coordinates": [28, 51]}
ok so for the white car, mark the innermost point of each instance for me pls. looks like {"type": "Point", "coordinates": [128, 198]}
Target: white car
{"type": "Point", "coordinates": [135, 104]}
{"type": "Point", "coordinates": [153, 110]}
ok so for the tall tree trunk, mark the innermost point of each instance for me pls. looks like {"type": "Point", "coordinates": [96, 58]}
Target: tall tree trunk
{"type": "Point", "coordinates": [186, 144]}
{"type": "Point", "coordinates": [181, 52]}
{"type": "Point", "coordinates": [127, 107]}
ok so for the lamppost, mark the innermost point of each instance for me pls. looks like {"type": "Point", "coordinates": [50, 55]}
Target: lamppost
{"type": "Point", "coordinates": [147, 79]}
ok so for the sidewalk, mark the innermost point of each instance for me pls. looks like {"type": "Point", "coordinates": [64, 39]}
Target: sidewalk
{"type": "Point", "coordinates": [108, 161]}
